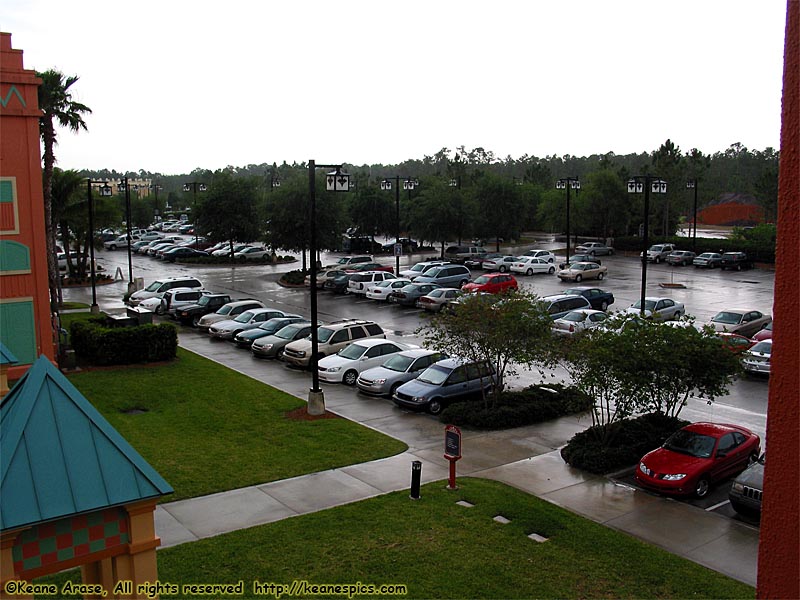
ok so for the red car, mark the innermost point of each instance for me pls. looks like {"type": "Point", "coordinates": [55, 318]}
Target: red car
{"type": "Point", "coordinates": [764, 334]}
{"type": "Point", "coordinates": [372, 266]}
{"type": "Point", "coordinates": [734, 342]}
{"type": "Point", "coordinates": [492, 283]}
{"type": "Point", "coordinates": [696, 457]}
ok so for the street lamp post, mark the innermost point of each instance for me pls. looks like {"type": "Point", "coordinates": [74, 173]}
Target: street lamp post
{"type": "Point", "coordinates": [646, 184]}
{"type": "Point", "coordinates": [156, 188]}
{"type": "Point", "coordinates": [335, 181]}
{"type": "Point", "coordinates": [105, 190]}
{"type": "Point", "coordinates": [194, 186]}
{"type": "Point", "coordinates": [408, 184]}
{"type": "Point", "coordinates": [567, 183]}
{"type": "Point", "coordinates": [693, 184]}
{"type": "Point", "coordinates": [124, 185]}
{"type": "Point", "coordinates": [456, 183]}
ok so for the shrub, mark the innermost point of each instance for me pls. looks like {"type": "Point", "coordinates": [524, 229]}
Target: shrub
{"type": "Point", "coordinates": [628, 441]}
{"type": "Point", "coordinates": [295, 277]}
{"type": "Point", "coordinates": [101, 345]}
{"type": "Point", "coordinates": [533, 404]}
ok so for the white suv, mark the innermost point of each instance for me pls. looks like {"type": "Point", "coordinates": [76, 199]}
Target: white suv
{"type": "Point", "coordinates": [359, 283]}
{"type": "Point", "coordinates": [331, 338]}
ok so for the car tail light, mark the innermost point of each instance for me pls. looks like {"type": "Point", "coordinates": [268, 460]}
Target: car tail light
{"type": "Point", "coordinates": [572, 328]}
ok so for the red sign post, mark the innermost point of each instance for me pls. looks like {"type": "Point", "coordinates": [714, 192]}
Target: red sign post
{"type": "Point", "coordinates": [452, 452]}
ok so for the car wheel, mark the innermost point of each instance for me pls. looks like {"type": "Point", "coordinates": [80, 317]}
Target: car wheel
{"type": "Point", "coordinates": [578, 278]}
{"type": "Point", "coordinates": [600, 276]}
{"type": "Point", "coordinates": [738, 267]}
{"type": "Point", "coordinates": [350, 377]}
{"type": "Point", "coordinates": [279, 354]}
{"type": "Point", "coordinates": [610, 252]}
{"type": "Point", "coordinates": [591, 253]}
{"type": "Point", "coordinates": [435, 406]}
{"type": "Point", "coordinates": [112, 247]}
{"type": "Point", "coordinates": [195, 321]}
{"type": "Point", "coordinates": [393, 389]}
{"type": "Point", "coordinates": [551, 270]}
{"type": "Point", "coordinates": [752, 458]}
{"type": "Point", "coordinates": [159, 310]}
{"type": "Point", "coordinates": [529, 272]}
{"type": "Point", "coordinates": [502, 269]}
{"type": "Point", "coordinates": [701, 487]}
{"type": "Point", "coordinates": [657, 260]}
{"type": "Point", "coordinates": [603, 305]}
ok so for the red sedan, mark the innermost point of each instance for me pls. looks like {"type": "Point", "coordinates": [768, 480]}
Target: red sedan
{"type": "Point", "coordinates": [696, 457]}
{"type": "Point", "coordinates": [492, 283]}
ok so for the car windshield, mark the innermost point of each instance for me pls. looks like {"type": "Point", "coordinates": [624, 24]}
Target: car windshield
{"type": "Point", "coordinates": [398, 363]}
{"type": "Point", "coordinates": [764, 347]}
{"type": "Point", "coordinates": [573, 292]}
{"type": "Point", "coordinates": [483, 279]}
{"type": "Point", "coordinates": [224, 309]}
{"type": "Point", "coordinates": [154, 286]}
{"type": "Point", "coordinates": [418, 267]}
{"type": "Point", "coordinates": [706, 255]}
{"type": "Point", "coordinates": [727, 318]}
{"type": "Point", "coordinates": [244, 317]}
{"type": "Point", "coordinates": [352, 352]}
{"type": "Point", "coordinates": [575, 316]}
{"type": "Point", "coordinates": [203, 300]}
{"type": "Point", "coordinates": [324, 334]}
{"type": "Point", "coordinates": [691, 443]}
{"type": "Point", "coordinates": [384, 283]}
{"type": "Point", "coordinates": [435, 375]}
{"type": "Point", "coordinates": [648, 304]}
{"type": "Point", "coordinates": [272, 325]}
{"type": "Point", "coordinates": [433, 272]}
{"type": "Point", "coordinates": [288, 332]}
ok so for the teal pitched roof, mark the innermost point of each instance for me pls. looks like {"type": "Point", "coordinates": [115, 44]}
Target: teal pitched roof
{"type": "Point", "coordinates": [6, 356]}
{"type": "Point", "coordinates": [60, 457]}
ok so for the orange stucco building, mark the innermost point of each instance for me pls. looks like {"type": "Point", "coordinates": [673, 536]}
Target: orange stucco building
{"type": "Point", "coordinates": [25, 327]}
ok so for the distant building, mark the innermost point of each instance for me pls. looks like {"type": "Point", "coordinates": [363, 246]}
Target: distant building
{"type": "Point", "coordinates": [732, 209]}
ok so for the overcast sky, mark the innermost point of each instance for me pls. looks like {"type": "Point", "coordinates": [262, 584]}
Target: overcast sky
{"type": "Point", "coordinates": [176, 85]}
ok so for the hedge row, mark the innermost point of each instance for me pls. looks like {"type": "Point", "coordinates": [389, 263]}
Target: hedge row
{"type": "Point", "coordinates": [626, 442]}
{"type": "Point", "coordinates": [533, 404]}
{"type": "Point", "coordinates": [759, 251]}
{"type": "Point", "coordinates": [101, 345]}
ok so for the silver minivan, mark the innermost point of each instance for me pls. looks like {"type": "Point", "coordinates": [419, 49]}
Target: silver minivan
{"type": "Point", "coordinates": [445, 276]}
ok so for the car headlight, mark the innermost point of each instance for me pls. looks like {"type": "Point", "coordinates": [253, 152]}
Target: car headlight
{"type": "Point", "coordinates": [419, 399]}
{"type": "Point", "coordinates": [266, 346]}
{"type": "Point", "coordinates": [379, 381]}
{"type": "Point", "coordinates": [333, 369]}
{"type": "Point", "coordinates": [674, 476]}
{"type": "Point", "coordinates": [737, 487]}
{"type": "Point", "coordinates": [643, 468]}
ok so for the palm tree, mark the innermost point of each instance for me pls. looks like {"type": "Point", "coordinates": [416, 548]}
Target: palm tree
{"type": "Point", "coordinates": [57, 104]}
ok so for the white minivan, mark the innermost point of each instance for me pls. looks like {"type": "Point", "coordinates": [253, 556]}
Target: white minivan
{"type": "Point", "coordinates": [162, 285]}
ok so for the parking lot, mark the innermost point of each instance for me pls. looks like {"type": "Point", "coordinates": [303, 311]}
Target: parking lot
{"type": "Point", "coordinates": [705, 293]}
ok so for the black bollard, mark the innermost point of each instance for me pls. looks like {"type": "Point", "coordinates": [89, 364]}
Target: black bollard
{"type": "Point", "coordinates": [416, 474]}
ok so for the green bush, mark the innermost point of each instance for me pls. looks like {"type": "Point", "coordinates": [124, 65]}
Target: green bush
{"type": "Point", "coordinates": [533, 404]}
{"type": "Point", "coordinates": [101, 345]}
{"type": "Point", "coordinates": [605, 448]}
{"type": "Point", "coordinates": [295, 277]}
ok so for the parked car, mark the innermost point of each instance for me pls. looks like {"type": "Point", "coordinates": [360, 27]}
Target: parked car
{"type": "Point", "coordinates": [395, 371]}
{"type": "Point", "coordinates": [252, 253]}
{"type": "Point", "coordinates": [440, 384]}
{"type": "Point", "coordinates": [408, 245]}
{"type": "Point", "coordinates": [577, 321]}
{"type": "Point", "coordinates": [409, 294]}
{"type": "Point", "coordinates": [764, 334]}
{"type": "Point", "coordinates": [594, 249]}
{"type": "Point", "coordinates": [498, 263]}
{"type": "Point", "coordinates": [492, 283]}
{"type": "Point", "coordinates": [373, 266]}
{"type": "Point", "coordinates": [708, 260]}
{"type": "Point", "coordinates": [182, 252]}
{"type": "Point", "coordinates": [245, 339]}
{"type": "Point", "coordinates": [599, 299]}
{"type": "Point", "coordinates": [577, 272]}
{"type": "Point", "coordinates": [680, 257]}
{"type": "Point", "coordinates": [227, 311]}
{"type": "Point", "coordinates": [347, 261]}
{"type": "Point", "coordinates": [531, 264]}
{"type": "Point", "coordinates": [420, 268]}
{"type": "Point", "coordinates": [149, 236]}
{"type": "Point", "coordinates": [62, 259]}
{"type": "Point", "coordinates": [162, 285]}
{"type": "Point", "coordinates": [346, 365]}
{"type": "Point", "coordinates": [119, 242]}
{"type": "Point", "coordinates": [271, 346]}
{"type": "Point", "coordinates": [747, 489]}
{"type": "Point", "coordinates": [734, 342]}
{"type": "Point", "coordinates": [337, 284]}
{"type": "Point", "coordinates": [659, 309]}
{"type": "Point", "coordinates": [189, 315]}
{"type": "Point", "coordinates": [742, 321]}
{"type": "Point", "coordinates": [176, 298]}
{"type": "Point", "coordinates": [736, 261]}
{"type": "Point", "coordinates": [757, 358]}
{"type": "Point", "coordinates": [658, 252]}
{"type": "Point", "coordinates": [576, 258]}
{"type": "Point", "coordinates": [437, 299]}
{"type": "Point", "coordinates": [696, 457]}
{"type": "Point", "coordinates": [459, 254]}
{"type": "Point", "coordinates": [559, 305]}
{"type": "Point", "coordinates": [543, 254]}
{"type": "Point", "coordinates": [226, 250]}
{"type": "Point", "coordinates": [330, 339]}
{"type": "Point", "coordinates": [381, 290]}
{"type": "Point", "coordinates": [476, 262]}
{"type": "Point", "coordinates": [323, 276]}
{"type": "Point", "coordinates": [249, 319]}
{"type": "Point", "coordinates": [445, 276]}
{"type": "Point", "coordinates": [358, 282]}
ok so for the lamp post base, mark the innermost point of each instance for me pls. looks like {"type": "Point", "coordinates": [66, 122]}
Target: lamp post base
{"type": "Point", "coordinates": [95, 309]}
{"type": "Point", "coordinates": [316, 402]}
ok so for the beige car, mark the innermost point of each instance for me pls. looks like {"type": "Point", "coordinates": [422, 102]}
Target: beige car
{"type": "Point", "coordinates": [583, 270]}
{"type": "Point", "coordinates": [330, 339]}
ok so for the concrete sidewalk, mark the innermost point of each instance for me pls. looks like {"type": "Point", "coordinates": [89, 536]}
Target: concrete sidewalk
{"type": "Point", "coordinates": [526, 458]}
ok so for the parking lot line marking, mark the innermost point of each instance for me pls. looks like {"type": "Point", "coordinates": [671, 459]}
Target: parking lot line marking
{"type": "Point", "coordinates": [718, 505]}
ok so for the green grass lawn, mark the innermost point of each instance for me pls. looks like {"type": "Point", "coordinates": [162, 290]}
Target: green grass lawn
{"type": "Point", "coordinates": [441, 550]}
{"type": "Point", "coordinates": [207, 428]}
